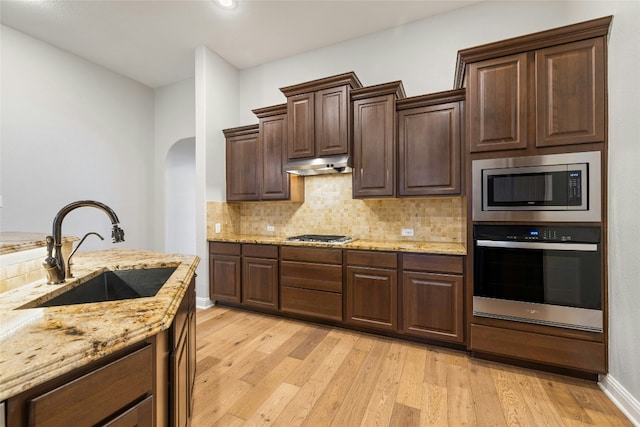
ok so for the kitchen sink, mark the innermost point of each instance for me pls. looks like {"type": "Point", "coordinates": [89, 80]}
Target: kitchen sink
{"type": "Point", "coordinates": [111, 286]}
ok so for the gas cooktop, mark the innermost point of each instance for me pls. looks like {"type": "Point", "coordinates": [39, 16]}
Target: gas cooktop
{"type": "Point", "coordinates": [320, 238]}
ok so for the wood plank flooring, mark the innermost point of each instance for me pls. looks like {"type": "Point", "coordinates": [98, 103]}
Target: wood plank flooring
{"type": "Point", "coordinates": [256, 369]}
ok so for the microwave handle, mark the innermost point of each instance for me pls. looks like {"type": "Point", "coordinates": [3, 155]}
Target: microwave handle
{"type": "Point", "coordinates": [581, 247]}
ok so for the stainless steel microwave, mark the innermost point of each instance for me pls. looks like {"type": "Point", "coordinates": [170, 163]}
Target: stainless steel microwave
{"type": "Point", "coordinates": [553, 187]}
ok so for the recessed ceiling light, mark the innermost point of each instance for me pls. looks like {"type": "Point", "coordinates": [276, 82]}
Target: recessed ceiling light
{"type": "Point", "coordinates": [227, 4]}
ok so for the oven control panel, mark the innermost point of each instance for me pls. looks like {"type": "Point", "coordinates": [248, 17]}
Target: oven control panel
{"type": "Point", "coordinates": [537, 233]}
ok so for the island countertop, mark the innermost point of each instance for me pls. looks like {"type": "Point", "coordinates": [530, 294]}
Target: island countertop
{"type": "Point", "coordinates": [39, 344]}
{"type": "Point", "coordinates": [441, 248]}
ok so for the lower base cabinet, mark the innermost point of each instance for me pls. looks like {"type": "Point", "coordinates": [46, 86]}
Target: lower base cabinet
{"type": "Point", "coordinates": [371, 290]}
{"type": "Point", "coordinates": [311, 282]}
{"type": "Point", "coordinates": [433, 297]}
{"type": "Point", "coordinates": [260, 276]}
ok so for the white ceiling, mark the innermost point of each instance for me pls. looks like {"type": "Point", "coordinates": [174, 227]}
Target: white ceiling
{"type": "Point", "coordinates": [153, 42]}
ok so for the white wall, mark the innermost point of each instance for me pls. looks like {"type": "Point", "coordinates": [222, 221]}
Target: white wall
{"type": "Point", "coordinates": [216, 109]}
{"type": "Point", "coordinates": [423, 55]}
{"type": "Point", "coordinates": [174, 119]}
{"type": "Point", "coordinates": [72, 130]}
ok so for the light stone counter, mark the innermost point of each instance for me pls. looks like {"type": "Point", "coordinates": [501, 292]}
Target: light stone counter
{"type": "Point", "coordinates": [441, 248]}
{"type": "Point", "coordinates": [16, 241]}
{"type": "Point", "coordinates": [39, 344]}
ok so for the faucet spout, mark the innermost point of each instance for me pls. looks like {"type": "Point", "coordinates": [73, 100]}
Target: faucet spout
{"type": "Point", "coordinates": [54, 263]}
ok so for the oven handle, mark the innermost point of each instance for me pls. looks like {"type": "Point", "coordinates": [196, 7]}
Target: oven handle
{"type": "Point", "coordinates": [581, 247]}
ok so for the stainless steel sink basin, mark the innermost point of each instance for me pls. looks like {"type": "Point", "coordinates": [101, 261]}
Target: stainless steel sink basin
{"type": "Point", "coordinates": [111, 286]}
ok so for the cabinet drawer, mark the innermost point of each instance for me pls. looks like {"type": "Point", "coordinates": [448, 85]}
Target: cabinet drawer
{"type": "Point", "coordinates": [224, 248]}
{"type": "Point", "coordinates": [436, 263]}
{"type": "Point", "coordinates": [320, 277]}
{"type": "Point", "coordinates": [372, 259]}
{"type": "Point", "coordinates": [559, 351]}
{"type": "Point", "coordinates": [141, 415]}
{"type": "Point", "coordinates": [326, 305]}
{"type": "Point", "coordinates": [320, 255]}
{"type": "Point", "coordinates": [106, 391]}
{"type": "Point", "coordinates": [260, 251]}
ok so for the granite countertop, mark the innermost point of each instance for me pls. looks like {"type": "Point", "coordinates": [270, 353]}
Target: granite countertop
{"type": "Point", "coordinates": [16, 241]}
{"type": "Point", "coordinates": [39, 344]}
{"type": "Point", "coordinates": [442, 248]}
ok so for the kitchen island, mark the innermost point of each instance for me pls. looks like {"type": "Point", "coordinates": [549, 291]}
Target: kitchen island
{"type": "Point", "coordinates": [39, 345]}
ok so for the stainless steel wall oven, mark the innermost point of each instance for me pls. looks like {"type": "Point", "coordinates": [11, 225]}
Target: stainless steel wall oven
{"type": "Point", "coordinates": [549, 275]}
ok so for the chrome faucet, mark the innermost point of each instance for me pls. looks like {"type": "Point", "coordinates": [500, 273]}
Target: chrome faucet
{"type": "Point", "coordinates": [54, 262]}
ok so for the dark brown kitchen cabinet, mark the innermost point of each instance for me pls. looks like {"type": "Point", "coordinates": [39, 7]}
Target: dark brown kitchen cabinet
{"type": "Point", "coordinates": [224, 272]}
{"type": "Point", "coordinates": [541, 90]}
{"type": "Point", "coordinates": [429, 144]}
{"type": "Point", "coordinates": [243, 163]}
{"type": "Point", "coordinates": [432, 292]}
{"type": "Point", "coordinates": [311, 282]}
{"type": "Point", "coordinates": [90, 396]}
{"type": "Point", "coordinates": [273, 181]}
{"type": "Point", "coordinates": [371, 290]}
{"type": "Point", "coordinates": [183, 360]}
{"type": "Point", "coordinates": [260, 276]}
{"type": "Point", "coordinates": [374, 139]}
{"type": "Point", "coordinates": [570, 86]}
{"type": "Point", "coordinates": [497, 103]}
{"type": "Point", "coordinates": [319, 121]}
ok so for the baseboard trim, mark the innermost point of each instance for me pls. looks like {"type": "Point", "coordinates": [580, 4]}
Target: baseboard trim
{"type": "Point", "coordinates": [203, 302]}
{"type": "Point", "coordinates": [628, 404]}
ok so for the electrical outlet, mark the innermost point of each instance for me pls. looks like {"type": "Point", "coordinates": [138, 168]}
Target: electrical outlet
{"type": "Point", "coordinates": [271, 228]}
{"type": "Point", "coordinates": [407, 232]}
{"type": "Point", "coordinates": [218, 228]}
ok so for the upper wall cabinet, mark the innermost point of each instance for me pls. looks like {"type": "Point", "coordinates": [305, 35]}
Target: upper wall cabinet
{"type": "Point", "coordinates": [276, 184]}
{"type": "Point", "coordinates": [429, 144]}
{"type": "Point", "coordinates": [374, 139]}
{"type": "Point", "coordinates": [255, 160]}
{"type": "Point", "coordinates": [540, 90]}
{"type": "Point", "coordinates": [243, 166]}
{"type": "Point", "coordinates": [319, 116]}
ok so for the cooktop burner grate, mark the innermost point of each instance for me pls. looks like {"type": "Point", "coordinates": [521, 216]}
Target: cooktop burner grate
{"type": "Point", "coordinates": [320, 238]}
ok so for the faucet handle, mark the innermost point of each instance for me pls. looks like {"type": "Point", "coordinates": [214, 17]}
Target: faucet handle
{"type": "Point", "coordinates": [117, 234]}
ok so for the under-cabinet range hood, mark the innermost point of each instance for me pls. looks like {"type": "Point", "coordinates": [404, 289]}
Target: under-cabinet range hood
{"type": "Point", "coordinates": [319, 165]}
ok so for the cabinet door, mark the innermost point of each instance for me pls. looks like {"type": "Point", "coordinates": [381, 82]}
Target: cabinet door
{"type": "Point", "coordinates": [570, 96]}
{"type": "Point", "coordinates": [301, 134]}
{"type": "Point", "coordinates": [374, 153]}
{"type": "Point", "coordinates": [243, 168]}
{"type": "Point", "coordinates": [225, 278]}
{"type": "Point", "coordinates": [429, 150]}
{"type": "Point", "coordinates": [180, 395]}
{"type": "Point", "coordinates": [432, 305]}
{"type": "Point", "coordinates": [332, 121]}
{"type": "Point", "coordinates": [273, 143]}
{"type": "Point", "coordinates": [371, 298]}
{"type": "Point", "coordinates": [497, 103]}
{"type": "Point", "coordinates": [260, 282]}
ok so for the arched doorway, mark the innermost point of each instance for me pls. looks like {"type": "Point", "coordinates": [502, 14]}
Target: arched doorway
{"type": "Point", "coordinates": [180, 197]}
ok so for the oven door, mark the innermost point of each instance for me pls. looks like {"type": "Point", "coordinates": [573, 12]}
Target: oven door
{"type": "Point", "coordinates": [557, 284]}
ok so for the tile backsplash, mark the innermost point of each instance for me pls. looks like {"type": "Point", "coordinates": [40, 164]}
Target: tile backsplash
{"type": "Point", "coordinates": [329, 209]}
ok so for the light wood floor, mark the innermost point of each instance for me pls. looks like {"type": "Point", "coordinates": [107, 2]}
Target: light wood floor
{"type": "Point", "coordinates": [258, 369]}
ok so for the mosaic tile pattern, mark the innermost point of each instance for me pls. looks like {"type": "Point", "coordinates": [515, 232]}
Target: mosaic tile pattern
{"type": "Point", "coordinates": [330, 209]}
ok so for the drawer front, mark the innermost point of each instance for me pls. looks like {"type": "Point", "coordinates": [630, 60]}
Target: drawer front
{"type": "Point", "coordinates": [325, 305]}
{"type": "Point", "coordinates": [96, 395]}
{"type": "Point", "coordinates": [372, 259]}
{"type": "Point", "coordinates": [559, 351]}
{"type": "Point", "coordinates": [224, 248]}
{"type": "Point", "coordinates": [320, 277]}
{"type": "Point", "coordinates": [320, 255]}
{"type": "Point", "coordinates": [435, 263]}
{"type": "Point", "coordinates": [260, 251]}
{"type": "Point", "coordinates": [140, 415]}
